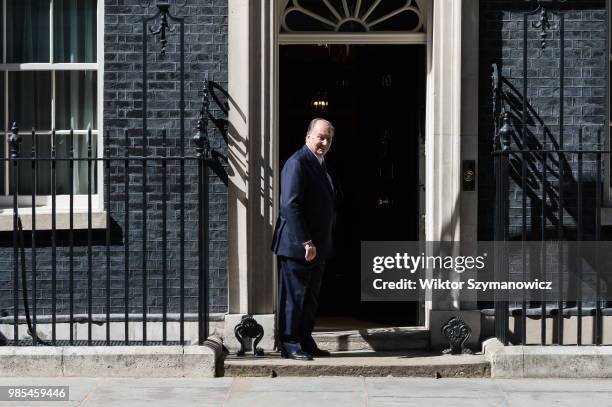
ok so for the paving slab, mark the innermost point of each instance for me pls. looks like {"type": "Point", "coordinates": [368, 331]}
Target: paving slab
{"type": "Point", "coordinates": [162, 392]}
{"type": "Point", "coordinates": [315, 399]}
{"type": "Point", "coordinates": [434, 402]}
{"type": "Point", "coordinates": [79, 386]}
{"type": "Point", "coordinates": [554, 385]}
{"type": "Point", "coordinates": [559, 399]}
{"type": "Point", "coordinates": [427, 387]}
{"type": "Point", "coordinates": [298, 384]}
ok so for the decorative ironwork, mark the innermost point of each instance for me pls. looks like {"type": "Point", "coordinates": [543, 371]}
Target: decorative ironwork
{"type": "Point", "coordinates": [248, 327]}
{"type": "Point", "coordinates": [506, 132]}
{"type": "Point", "coordinates": [14, 140]}
{"type": "Point", "coordinates": [353, 16]}
{"type": "Point", "coordinates": [201, 137]}
{"type": "Point", "coordinates": [543, 25]}
{"type": "Point", "coordinates": [177, 3]}
{"type": "Point", "coordinates": [496, 97]}
{"type": "Point", "coordinates": [162, 27]}
{"type": "Point", "coordinates": [457, 332]}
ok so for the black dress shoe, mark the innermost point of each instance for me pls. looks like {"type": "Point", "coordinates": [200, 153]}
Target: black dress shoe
{"type": "Point", "coordinates": [319, 353]}
{"type": "Point", "coordinates": [296, 355]}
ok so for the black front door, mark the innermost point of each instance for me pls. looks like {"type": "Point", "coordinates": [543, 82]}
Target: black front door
{"type": "Point", "coordinates": [375, 97]}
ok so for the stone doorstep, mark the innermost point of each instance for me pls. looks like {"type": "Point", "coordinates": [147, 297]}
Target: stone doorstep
{"type": "Point", "coordinates": [374, 339]}
{"type": "Point", "coordinates": [111, 361]}
{"type": "Point", "coordinates": [534, 361]}
{"type": "Point", "coordinates": [365, 363]}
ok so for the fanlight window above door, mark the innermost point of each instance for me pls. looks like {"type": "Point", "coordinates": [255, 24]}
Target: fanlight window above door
{"type": "Point", "coordinates": [352, 16]}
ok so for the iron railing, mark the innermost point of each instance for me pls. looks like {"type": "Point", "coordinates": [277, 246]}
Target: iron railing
{"type": "Point", "coordinates": [557, 211]}
{"type": "Point", "coordinates": [75, 268]}
{"type": "Point", "coordinates": [162, 265]}
{"type": "Point", "coordinates": [548, 185]}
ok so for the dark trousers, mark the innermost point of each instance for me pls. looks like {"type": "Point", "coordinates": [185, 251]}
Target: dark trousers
{"type": "Point", "coordinates": [298, 295]}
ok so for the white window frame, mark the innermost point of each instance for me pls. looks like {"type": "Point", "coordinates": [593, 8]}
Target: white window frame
{"type": "Point", "coordinates": [43, 202]}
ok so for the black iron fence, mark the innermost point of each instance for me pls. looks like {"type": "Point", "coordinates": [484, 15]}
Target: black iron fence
{"type": "Point", "coordinates": [560, 195]}
{"type": "Point", "coordinates": [549, 180]}
{"type": "Point", "coordinates": [140, 274]}
{"type": "Point", "coordinates": [124, 249]}
{"type": "Point", "coordinates": [118, 175]}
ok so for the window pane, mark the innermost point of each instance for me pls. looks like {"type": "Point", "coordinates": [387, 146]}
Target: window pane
{"type": "Point", "coordinates": [75, 104]}
{"type": "Point", "coordinates": [79, 176]}
{"type": "Point", "coordinates": [30, 100]}
{"type": "Point", "coordinates": [26, 180]}
{"type": "Point", "coordinates": [27, 30]}
{"type": "Point", "coordinates": [74, 30]}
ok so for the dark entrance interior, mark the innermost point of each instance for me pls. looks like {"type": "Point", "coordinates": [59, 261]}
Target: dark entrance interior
{"type": "Point", "coordinates": [375, 97]}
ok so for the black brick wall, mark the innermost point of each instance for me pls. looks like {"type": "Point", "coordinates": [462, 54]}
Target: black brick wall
{"type": "Point", "coordinates": [205, 52]}
{"type": "Point", "coordinates": [501, 42]}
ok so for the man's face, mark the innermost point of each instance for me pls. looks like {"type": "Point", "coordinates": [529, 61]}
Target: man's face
{"type": "Point", "coordinates": [319, 140]}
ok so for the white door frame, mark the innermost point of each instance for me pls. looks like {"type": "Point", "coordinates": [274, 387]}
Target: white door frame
{"type": "Point", "coordinates": [253, 49]}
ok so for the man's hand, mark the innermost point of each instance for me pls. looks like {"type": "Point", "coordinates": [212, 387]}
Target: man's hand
{"type": "Point", "coordinates": [311, 251]}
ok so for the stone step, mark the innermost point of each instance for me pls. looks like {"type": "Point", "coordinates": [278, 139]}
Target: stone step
{"type": "Point", "coordinates": [361, 363]}
{"type": "Point", "coordinates": [374, 339]}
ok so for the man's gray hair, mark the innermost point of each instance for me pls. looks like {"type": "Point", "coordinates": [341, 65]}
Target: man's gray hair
{"type": "Point", "coordinates": [314, 121]}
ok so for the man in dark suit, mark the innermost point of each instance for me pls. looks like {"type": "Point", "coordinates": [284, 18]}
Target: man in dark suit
{"type": "Point", "coordinates": [303, 240]}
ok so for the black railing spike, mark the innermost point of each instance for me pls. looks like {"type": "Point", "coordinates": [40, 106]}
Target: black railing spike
{"type": "Point", "coordinates": [34, 142]}
{"type": "Point", "coordinates": [53, 146]}
{"type": "Point", "coordinates": [14, 140]}
{"type": "Point", "coordinates": [495, 85]}
{"type": "Point", "coordinates": [505, 132]}
{"type": "Point", "coordinates": [71, 143]}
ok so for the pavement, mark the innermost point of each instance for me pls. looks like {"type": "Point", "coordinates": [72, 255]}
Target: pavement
{"type": "Point", "coordinates": [322, 392]}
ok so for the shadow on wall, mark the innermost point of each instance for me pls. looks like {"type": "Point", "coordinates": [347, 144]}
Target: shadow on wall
{"type": "Point", "coordinates": [501, 24]}
{"type": "Point", "coordinates": [559, 169]}
{"type": "Point", "coordinates": [219, 163]}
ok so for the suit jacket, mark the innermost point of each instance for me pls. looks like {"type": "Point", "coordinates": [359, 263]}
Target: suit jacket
{"type": "Point", "coordinates": [307, 207]}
